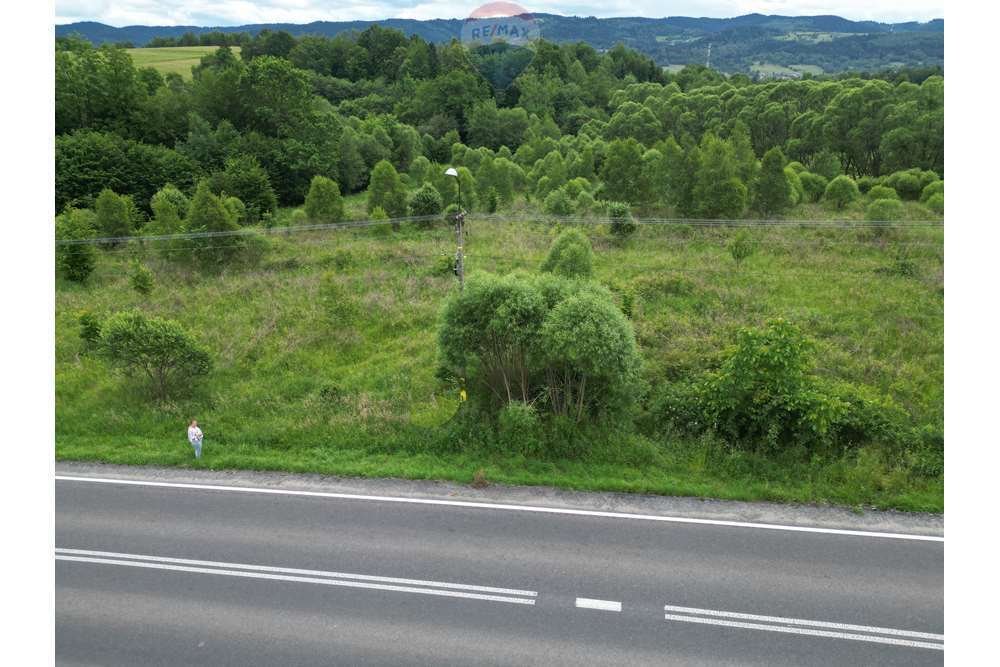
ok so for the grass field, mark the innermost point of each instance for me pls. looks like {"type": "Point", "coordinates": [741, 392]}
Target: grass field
{"type": "Point", "coordinates": [179, 59]}
{"type": "Point", "coordinates": [325, 354]}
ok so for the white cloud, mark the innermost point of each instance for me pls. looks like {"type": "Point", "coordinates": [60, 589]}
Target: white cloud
{"type": "Point", "coordinates": [239, 12]}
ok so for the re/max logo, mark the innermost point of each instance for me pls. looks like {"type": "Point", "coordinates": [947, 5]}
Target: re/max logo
{"type": "Point", "coordinates": [500, 30]}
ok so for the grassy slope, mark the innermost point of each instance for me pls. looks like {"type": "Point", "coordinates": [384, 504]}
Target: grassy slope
{"type": "Point", "coordinates": [179, 59]}
{"type": "Point", "coordinates": [325, 355]}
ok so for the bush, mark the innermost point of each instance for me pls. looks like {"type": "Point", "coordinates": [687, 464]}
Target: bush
{"type": "Point", "coordinates": [114, 218]}
{"type": "Point", "coordinates": [208, 214]}
{"type": "Point", "coordinates": [492, 202]}
{"type": "Point", "coordinates": [741, 246]}
{"type": "Point", "coordinates": [906, 183]}
{"type": "Point", "coordinates": [591, 356]}
{"type": "Point", "coordinates": [386, 190]}
{"type": "Point", "coordinates": [884, 210]}
{"type": "Point", "coordinates": [570, 256]}
{"type": "Point", "coordinates": [159, 350]}
{"type": "Point", "coordinates": [519, 429]}
{"type": "Point", "coordinates": [841, 191]}
{"type": "Point", "coordinates": [866, 183]}
{"type": "Point", "coordinates": [243, 177]}
{"type": "Point", "coordinates": [931, 189]}
{"type": "Point", "coordinates": [426, 201]}
{"type": "Point", "coordinates": [763, 395]}
{"type": "Point", "coordinates": [584, 203]}
{"type": "Point", "coordinates": [76, 261]}
{"type": "Point", "coordinates": [298, 217]}
{"type": "Point", "coordinates": [813, 185]}
{"type": "Point", "coordinates": [90, 331]}
{"type": "Point", "coordinates": [323, 202]}
{"type": "Point", "coordinates": [558, 202]}
{"type": "Point", "coordinates": [936, 203]}
{"type": "Point", "coordinates": [622, 223]}
{"type": "Point", "coordinates": [882, 192]}
{"type": "Point", "coordinates": [237, 211]}
{"type": "Point", "coordinates": [827, 165]}
{"type": "Point", "coordinates": [141, 279]}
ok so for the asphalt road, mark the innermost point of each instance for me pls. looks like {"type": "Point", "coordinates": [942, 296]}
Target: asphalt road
{"type": "Point", "coordinates": [183, 576]}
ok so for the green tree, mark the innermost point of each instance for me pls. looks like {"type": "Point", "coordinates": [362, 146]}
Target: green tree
{"type": "Point", "coordinates": [141, 279]}
{"type": "Point", "coordinates": [243, 177]}
{"type": "Point", "coordinates": [620, 215]}
{"type": "Point", "coordinates": [570, 256]}
{"type": "Point", "coordinates": [76, 261]}
{"type": "Point", "coordinates": [208, 215]}
{"type": "Point", "coordinates": [773, 192]}
{"type": "Point", "coordinates": [114, 218]}
{"type": "Point", "coordinates": [385, 189]}
{"type": "Point", "coordinates": [813, 185]}
{"type": "Point", "coordinates": [160, 350]}
{"type": "Point", "coordinates": [425, 201]}
{"type": "Point", "coordinates": [622, 172]}
{"type": "Point", "coordinates": [717, 192]}
{"type": "Point", "coordinates": [884, 210]}
{"type": "Point", "coordinates": [741, 247]}
{"type": "Point", "coordinates": [324, 201]}
{"type": "Point", "coordinates": [841, 191]}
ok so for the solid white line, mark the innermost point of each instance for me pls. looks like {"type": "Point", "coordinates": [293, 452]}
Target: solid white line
{"type": "Point", "coordinates": [799, 621]}
{"type": "Point", "coordinates": [604, 605]}
{"type": "Point", "coordinates": [805, 631]}
{"type": "Point", "coordinates": [499, 506]}
{"type": "Point", "coordinates": [291, 570]}
{"type": "Point", "coordinates": [307, 580]}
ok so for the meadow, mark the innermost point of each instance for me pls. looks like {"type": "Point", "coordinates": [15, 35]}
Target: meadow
{"type": "Point", "coordinates": [325, 352]}
{"type": "Point", "coordinates": [173, 59]}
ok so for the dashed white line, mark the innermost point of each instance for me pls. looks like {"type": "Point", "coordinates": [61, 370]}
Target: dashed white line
{"type": "Point", "coordinates": [603, 605]}
{"type": "Point", "coordinates": [499, 506]}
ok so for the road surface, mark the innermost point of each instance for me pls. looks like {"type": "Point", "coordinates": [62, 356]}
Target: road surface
{"type": "Point", "coordinates": [176, 575]}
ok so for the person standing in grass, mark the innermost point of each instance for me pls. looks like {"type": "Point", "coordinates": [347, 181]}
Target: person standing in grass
{"type": "Point", "coordinates": [195, 437]}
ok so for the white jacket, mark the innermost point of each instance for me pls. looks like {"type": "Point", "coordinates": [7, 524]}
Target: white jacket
{"type": "Point", "coordinates": [194, 434]}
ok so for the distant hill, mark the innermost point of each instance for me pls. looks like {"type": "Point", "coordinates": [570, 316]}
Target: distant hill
{"type": "Point", "coordinates": [767, 45]}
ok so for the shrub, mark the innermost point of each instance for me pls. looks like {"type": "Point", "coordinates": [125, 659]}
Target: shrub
{"type": "Point", "coordinates": [426, 201]}
{"type": "Point", "coordinates": [841, 191]}
{"type": "Point", "coordinates": [323, 202]}
{"type": "Point", "coordinates": [774, 187]}
{"type": "Point", "coordinates": [882, 192]}
{"type": "Point", "coordinates": [796, 192]}
{"type": "Point", "coordinates": [386, 190]}
{"type": "Point", "coordinates": [931, 189]}
{"type": "Point", "coordinates": [866, 183]}
{"type": "Point", "coordinates": [763, 394]}
{"type": "Point", "coordinates": [298, 217]}
{"type": "Point", "coordinates": [141, 279]}
{"type": "Point", "coordinates": [884, 210]}
{"type": "Point", "coordinates": [936, 203]}
{"type": "Point", "coordinates": [592, 360]}
{"type": "Point", "coordinates": [813, 185]}
{"type": "Point", "coordinates": [558, 202]}
{"type": "Point", "coordinates": [76, 261]}
{"type": "Point", "coordinates": [906, 183]}
{"type": "Point", "coordinates": [585, 202]}
{"type": "Point", "coordinates": [741, 246]}
{"type": "Point", "coordinates": [243, 177]}
{"type": "Point", "coordinates": [519, 429]}
{"type": "Point", "coordinates": [114, 217]}
{"type": "Point", "coordinates": [827, 165]}
{"type": "Point", "coordinates": [570, 256]}
{"type": "Point", "coordinates": [160, 350]}
{"type": "Point", "coordinates": [622, 223]}
{"type": "Point", "coordinates": [492, 202]}
{"type": "Point", "coordinates": [90, 331]}
{"type": "Point", "coordinates": [236, 208]}
{"type": "Point", "coordinates": [208, 214]}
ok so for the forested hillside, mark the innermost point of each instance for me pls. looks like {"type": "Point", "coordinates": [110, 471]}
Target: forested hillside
{"type": "Point", "coordinates": [741, 44]}
{"type": "Point", "coordinates": [676, 282]}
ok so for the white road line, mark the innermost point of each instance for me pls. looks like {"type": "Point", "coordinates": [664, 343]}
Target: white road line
{"type": "Point", "coordinates": [604, 605]}
{"type": "Point", "coordinates": [307, 580]}
{"type": "Point", "coordinates": [799, 621]}
{"type": "Point", "coordinates": [805, 631]}
{"type": "Point", "coordinates": [499, 506]}
{"type": "Point", "coordinates": [291, 570]}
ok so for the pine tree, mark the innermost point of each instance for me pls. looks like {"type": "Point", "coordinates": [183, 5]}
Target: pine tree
{"type": "Point", "coordinates": [773, 192]}
{"type": "Point", "coordinates": [386, 190]}
{"type": "Point", "coordinates": [324, 201]}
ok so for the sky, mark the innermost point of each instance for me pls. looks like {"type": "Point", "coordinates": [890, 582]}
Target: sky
{"type": "Point", "coordinates": [239, 12]}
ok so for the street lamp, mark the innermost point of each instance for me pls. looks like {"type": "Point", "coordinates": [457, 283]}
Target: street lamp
{"type": "Point", "coordinates": [459, 218]}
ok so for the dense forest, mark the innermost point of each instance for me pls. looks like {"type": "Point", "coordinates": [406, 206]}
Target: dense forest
{"type": "Point", "coordinates": [533, 122]}
{"type": "Point", "coordinates": [828, 43]}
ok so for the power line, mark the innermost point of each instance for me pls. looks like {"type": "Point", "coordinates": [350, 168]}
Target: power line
{"type": "Point", "coordinates": [496, 217]}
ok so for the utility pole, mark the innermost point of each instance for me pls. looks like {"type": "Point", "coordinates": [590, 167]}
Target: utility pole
{"type": "Point", "coordinates": [459, 231]}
